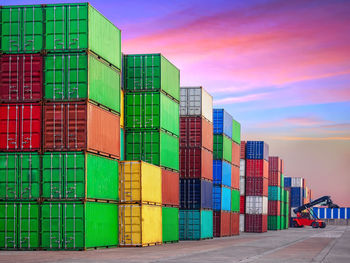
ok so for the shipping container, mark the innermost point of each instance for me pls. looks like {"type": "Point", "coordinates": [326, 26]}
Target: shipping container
{"type": "Point", "coordinates": [222, 122]}
{"type": "Point", "coordinates": [21, 77]}
{"type": "Point", "coordinates": [140, 182]}
{"type": "Point", "coordinates": [221, 198]}
{"type": "Point", "coordinates": [256, 186]}
{"type": "Point", "coordinates": [140, 225]}
{"type": "Point", "coordinates": [151, 72]}
{"type": "Point", "coordinates": [274, 178]}
{"type": "Point", "coordinates": [170, 224]}
{"type": "Point", "coordinates": [235, 179]}
{"type": "Point", "coordinates": [274, 222]}
{"type": "Point", "coordinates": [297, 182]}
{"type": "Point", "coordinates": [243, 149]}
{"type": "Point", "coordinates": [241, 222]}
{"type": "Point", "coordinates": [196, 101]}
{"type": "Point", "coordinates": [332, 213]}
{"type": "Point", "coordinates": [122, 144]}
{"type": "Point", "coordinates": [170, 188]}
{"type": "Point", "coordinates": [196, 132]}
{"type": "Point", "coordinates": [242, 185]}
{"type": "Point", "coordinates": [236, 154]}
{"type": "Point", "coordinates": [275, 193]}
{"type": "Point", "coordinates": [78, 225]}
{"type": "Point", "coordinates": [274, 208]}
{"type": "Point", "coordinates": [76, 126]}
{"type": "Point", "coordinates": [222, 148]}
{"type": "Point", "coordinates": [256, 205]}
{"type": "Point", "coordinates": [257, 150]}
{"type": "Point", "coordinates": [255, 223]}
{"type": "Point", "coordinates": [242, 168]}
{"type": "Point", "coordinates": [152, 146]}
{"type": "Point", "coordinates": [19, 225]}
{"type": "Point", "coordinates": [257, 168]}
{"type": "Point", "coordinates": [151, 110]}
{"type": "Point", "coordinates": [274, 164]}
{"type": "Point", "coordinates": [196, 194]}
{"type": "Point", "coordinates": [242, 204]}
{"type": "Point", "coordinates": [79, 176]}
{"type": "Point", "coordinates": [287, 182]}
{"type": "Point", "coordinates": [234, 224]}
{"type": "Point", "coordinates": [282, 180]}
{"type": "Point", "coordinates": [81, 76]}
{"type": "Point", "coordinates": [196, 163]}
{"type": "Point", "coordinates": [236, 132]}
{"type": "Point", "coordinates": [296, 197]}
{"type": "Point", "coordinates": [221, 223]}
{"type": "Point", "coordinates": [19, 176]}
{"type": "Point", "coordinates": [222, 172]}
{"type": "Point", "coordinates": [196, 224]}
{"type": "Point", "coordinates": [122, 106]}
{"type": "Point", "coordinates": [235, 201]}
{"type": "Point", "coordinates": [20, 127]}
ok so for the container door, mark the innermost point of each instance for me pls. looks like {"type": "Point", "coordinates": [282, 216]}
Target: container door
{"type": "Point", "coordinates": [54, 127]}
{"type": "Point", "coordinates": [32, 77]}
{"type": "Point", "coordinates": [11, 29]}
{"type": "Point", "coordinates": [77, 76]}
{"type": "Point", "coordinates": [8, 223]}
{"type": "Point", "coordinates": [28, 225]}
{"type": "Point", "coordinates": [10, 76]}
{"type": "Point", "coordinates": [32, 28]}
{"type": "Point", "coordinates": [8, 176]}
{"type": "Point", "coordinates": [130, 225]}
{"type": "Point", "coordinates": [76, 126]}
{"type": "Point", "coordinates": [55, 27]}
{"type": "Point", "coordinates": [30, 136]}
{"type": "Point", "coordinates": [51, 225]}
{"type": "Point", "coordinates": [72, 225]}
{"type": "Point", "coordinates": [52, 181]}
{"type": "Point", "coordinates": [28, 176]}
{"type": "Point", "coordinates": [74, 175]}
{"type": "Point", "coordinates": [55, 77]}
{"type": "Point", "coordinates": [77, 26]}
{"type": "Point", "coordinates": [9, 127]}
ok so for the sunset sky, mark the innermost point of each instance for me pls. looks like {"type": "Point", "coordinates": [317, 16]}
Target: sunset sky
{"type": "Point", "coordinates": [281, 68]}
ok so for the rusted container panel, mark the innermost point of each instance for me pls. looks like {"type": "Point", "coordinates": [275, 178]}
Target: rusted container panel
{"type": "Point", "coordinates": [235, 177]}
{"type": "Point", "coordinates": [21, 77]}
{"type": "Point", "coordinates": [255, 223]}
{"type": "Point", "coordinates": [221, 223]}
{"type": "Point", "coordinates": [75, 126]}
{"type": "Point", "coordinates": [236, 153]}
{"type": "Point", "coordinates": [196, 132]}
{"type": "Point", "coordinates": [234, 227]}
{"type": "Point", "coordinates": [243, 144]}
{"type": "Point", "coordinates": [170, 188]}
{"type": "Point", "coordinates": [196, 163]}
{"type": "Point", "coordinates": [256, 186]}
{"type": "Point", "coordinates": [257, 168]}
{"type": "Point", "coordinates": [20, 127]}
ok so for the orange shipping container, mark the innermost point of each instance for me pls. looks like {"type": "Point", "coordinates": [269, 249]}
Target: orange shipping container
{"type": "Point", "coordinates": [170, 188]}
{"type": "Point", "coordinates": [236, 153]}
{"type": "Point", "coordinates": [235, 177]}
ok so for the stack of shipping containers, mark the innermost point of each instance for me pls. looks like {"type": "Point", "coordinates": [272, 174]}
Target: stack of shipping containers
{"type": "Point", "coordinates": [275, 195]}
{"type": "Point", "coordinates": [60, 126]}
{"type": "Point", "coordinates": [256, 203]}
{"type": "Point", "coordinates": [151, 102]}
{"type": "Point", "coordinates": [196, 158]}
{"type": "Point", "coordinates": [242, 178]}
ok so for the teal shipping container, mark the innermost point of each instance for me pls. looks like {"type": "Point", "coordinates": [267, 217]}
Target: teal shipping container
{"type": "Point", "coordinates": [196, 224]}
{"type": "Point", "coordinates": [275, 193]}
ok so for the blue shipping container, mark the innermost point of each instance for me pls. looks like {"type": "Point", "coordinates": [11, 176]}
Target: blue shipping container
{"type": "Point", "coordinates": [221, 198]}
{"type": "Point", "coordinates": [222, 122]}
{"type": "Point", "coordinates": [221, 172]}
{"type": "Point", "coordinates": [196, 194]}
{"type": "Point", "coordinates": [287, 182]}
{"type": "Point", "coordinates": [332, 213]}
{"type": "Point", "coordinates": [296, 197]}
{"type": "Point", "coordinates": [257, 150]}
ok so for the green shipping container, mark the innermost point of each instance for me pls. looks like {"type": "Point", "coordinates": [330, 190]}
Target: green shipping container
{"type": "Point", "coordinates": [273, 222]}
{"type": "Point", "coordinates": [19, 176]}
{"type": "Point", "coordinates": [283, 222]}
{"type": "Point", "coordinates": [282, 209]}
{"type": "Point", "coordinates": [77, 225]}
{"type": "Point", "coordinates": [282, 180]}
{"type": "Point", "coordinates": [170, 224]}
{"type": "Point", "coordinates": [19, 225]}
{"type": "Point", "coordinates": [156, 147]}
{"type": "Point", "coordinates": [151, 110]}
{"type": "Point", "coordinates": [77, 76]}
{"type": "Point", "coordinates": [79, 176]}
{"type": "Point", "coordinates": [236, 131]}
{"type": "Point", "coordinates": [274, 193]}
{"type": "Point", "coordinates": [122, 144]}
{"type": "Point", "coordinates": [222, 148]}
{"type": "Point", "coordinates": [151, 72]}
{"type": "Point", "coordinates": [195, 224]}
{"type": "Point", "coordinates": [235, 200]}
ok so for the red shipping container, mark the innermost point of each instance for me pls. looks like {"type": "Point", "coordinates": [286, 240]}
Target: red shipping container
{"type": "Point", "coordinates": [242, 204]}
{"type": "Point", "coordinates": [221, 223]}
{"type": "Point", "coordinates": [274, 208]}
{"type": "Point", "coordinates": [20, 127]}
{"type": "Point", "coordinates": [21, 77]}
{"type": "Point", "coordinates": [256, 186]}
{"type": "Point", "coordinates": [235, 177]}
{"type": "Point", "coordinates": [234, 224]}
{"type": "Point", "coordinates": [196, 132]}
{"type": "Point", "coordinates": [255, 223]}
{"type": "Point", "coordinates": [236, 153]}
{"type": "Point", "coordinates": [274, 178]}
{"type": "Point", "coordinates": [257, 168]}
{"type": "Point", "coordinates": [76, 126]}
{"type": "Point", "coordinates": [196, 163]}
{"type": "Point", "coordinates": [274, 164]}
{"type": "Point", "coordinates": [170, 188]}
{"type": "Point", "coordinates": [243, 143]}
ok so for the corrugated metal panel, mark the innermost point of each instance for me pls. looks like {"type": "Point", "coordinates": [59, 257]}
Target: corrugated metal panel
{"type": "Point", "coordinates": [170, 188]}
{"type": "Point", "coordinates": [257, 168]}
{"type": "Point", "coordinates": [242, 168]}
{"type": "Point", "coordinates": [221, 198]}
{"type": "Point", "coordinates": [222, 148]}
{"type": "Point", "coordinates": [236, 148]}
{"type": "Point", "coordinates": [255, 223]}
{"type": "Point", "coordinates": [195, 224]}
{"type": "Point", "coordinates": [296, 197]}
{"type": "Point", "coordinates": [196, 194]}
{"type": "Point", "coordinates": [242, 185]}
{"type": "Point", "coordinates": [235, 201]}
{"type": "Point", "coordinates": [243, 149]}
{"type": "Point", "coordinates": [257, 150]}
{"type": "Point", "coordinates": [235, 177]}
{"type": "Point", "coordinates": [196, 163]}
{"type": "Point", "coordinates": [287, 182]}
{"type": "Point", "coordinates": [241, 223]}
{"type": "Point", "coordinates": [222, 224]}
{"type": "Point", "coordinates": [222, 122]}
{"type": "Point", "coordinates": [256, 205]}
{"type": "Point", "coordinates": [221, 172]}
{"type": "Point", "coordinates": [170, 224]}
{"type": "Point", "coordinates": [256, 186]}
{"type": "Point", "coordinates": [236, 132]}
{"type": "Point", "coordinates": [296, 182]}
{"type": "Point", "coordinates": [234, 226]}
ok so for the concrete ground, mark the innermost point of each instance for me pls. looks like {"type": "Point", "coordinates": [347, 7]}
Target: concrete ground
{"type": "Point", "coordinates": [331, 244]}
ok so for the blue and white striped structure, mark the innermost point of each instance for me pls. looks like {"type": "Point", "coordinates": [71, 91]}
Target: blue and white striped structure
{"type": "Point", "coordinates": [334, 213]}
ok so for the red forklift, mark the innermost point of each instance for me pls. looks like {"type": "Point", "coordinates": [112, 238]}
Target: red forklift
{"type": "Point", "coordinates": [307, 217]}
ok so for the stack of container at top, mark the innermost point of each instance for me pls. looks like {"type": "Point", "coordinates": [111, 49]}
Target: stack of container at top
{"type": "Point", "coordinates": [60, 105]}
{"type": "Point", "coordinates": [226, 174]}
{"type": "Point", "coordinates": [275, 194]}
{"type": "Point", "coordinates": [242, 187]}
{"type": "Point", "coordinates": [257, 154]}
{"type": "Point", "coordinates": [151, 101]}
{"type": "Point", "coordinates": [196, 157]}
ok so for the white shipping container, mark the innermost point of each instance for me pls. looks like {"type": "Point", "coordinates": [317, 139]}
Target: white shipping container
{"type": "Point", "coordinates": [242, 168]}
{"type": "Point", "coordinates": [196, 101]}
{"type": "Point", "coordinates": [297, 182]}
{"type": "Point", "coordinates": [256, 205]}
{"type": "Point", "coordinates": [241, 223]}
{"type": "Point", "coordinates": [242, 185]}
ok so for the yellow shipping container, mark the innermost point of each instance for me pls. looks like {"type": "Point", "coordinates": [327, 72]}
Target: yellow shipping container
{"type": "Point", "coordinates": [121, 109]}
{"type": "Point", "coordinates": [140, 225]}
{"type": "Point", "coordinates": [140, 182]}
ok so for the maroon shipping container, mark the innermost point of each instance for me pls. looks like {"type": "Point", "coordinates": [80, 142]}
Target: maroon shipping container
{"type": "Point", "coordinates": [235, 177]}
{"type": "Point", "coordinates": [20, 127]}
{"type": "Point", "coordinates": [76, 126]}
{"type": "Point", "coordinates": [196, 163]}
{"type": "Point", "coordinates": [255, 223]}
{"type": "Point", "coordinates": [274, 178]}
{"type": "Point", "coordinates": [21, 78]}
{"type": "Point", "coordinates": [243, 143]}
{"type": "Point", "coordinates": [221, 223]}
{"type": "Point", "coordinates": [234, 224]}
{"type": "Point", "coordinates": [196, 132]}
{"type": "Point", "coordinates": [256, 186]}
{"type": "Point", "coordinates": [236, 153]}
{"type": "Point", "coordinates": [242, 204]}
{"type": "Point", "coordinates": [257, 168]}
{"type": "Point", "coordinates": [274, 208]}
{"type": "Point", "coordinates": [274, 164]}
{"type": "Point", "coordinates": [170, 188]}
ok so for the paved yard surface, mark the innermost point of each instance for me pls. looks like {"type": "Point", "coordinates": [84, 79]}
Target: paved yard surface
{"type": "Point", "coordinates": [331, 244]}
